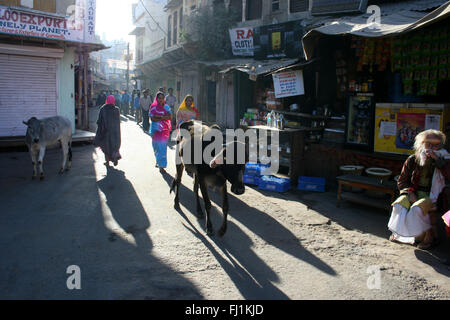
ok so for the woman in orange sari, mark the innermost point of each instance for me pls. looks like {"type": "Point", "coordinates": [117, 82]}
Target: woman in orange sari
{"type": "Point", "coordinates": [187, 111]}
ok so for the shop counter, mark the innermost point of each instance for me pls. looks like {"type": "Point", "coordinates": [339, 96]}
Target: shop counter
{"type": "Point", "coordinates": [291, 149]}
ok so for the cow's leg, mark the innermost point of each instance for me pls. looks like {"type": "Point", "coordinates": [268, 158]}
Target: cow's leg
{"type": "Point", "coordinates": [223, 228]}
{"type": "Point", "coordinates": [200, 213]}
{"type": "Point", "coordinates": [40, 161]}
{"type": "Point", "coordinates": [204, 189]}
{"type": "Point", "coordinates": [176, 185]}
{"type": "Point", "coordinates": [34, 161]}
{"type": "Point", "coordinates": [65, 151]}
{"type": "Point", "coordinates": [69, 160]}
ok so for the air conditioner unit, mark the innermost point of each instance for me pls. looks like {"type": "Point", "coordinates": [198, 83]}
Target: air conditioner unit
{"type": "Point", "coordinates": [321, 7]}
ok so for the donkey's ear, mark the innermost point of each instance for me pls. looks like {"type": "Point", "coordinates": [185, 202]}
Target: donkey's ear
{"type": "Point", "coordinates": [25, 123]}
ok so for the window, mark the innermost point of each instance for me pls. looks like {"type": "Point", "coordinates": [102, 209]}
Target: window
{"type": "Point", "coordinates": [27, 3]}
{"type": "Point", "coordinates": [298, 5]}
{"type": "Point", "coordinates": [169, 32]}
{"type": "Point", "coordinates": [254, 10]}
{"type": "Point", "coordinates": [275, 5]}
{"type": "Point", "coordinates": [175, 27]}
{"type": "Point", "coordinates": [45, 5]}
{"type": "Point", "coordinates": [236, 6]}
{"type": "Point", "coordinates": [181, 18]}
{"type": "Point", "coordinates": [139, 49]}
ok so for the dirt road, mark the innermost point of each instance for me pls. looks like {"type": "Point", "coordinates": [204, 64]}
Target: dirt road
{"type": "Point", "coordinates": [119, 227]}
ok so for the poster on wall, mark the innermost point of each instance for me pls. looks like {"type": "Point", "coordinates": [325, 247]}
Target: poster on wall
{"type": "Point", "coordinates": [242, 41]}
{"type": "Point", "coordinates": [408, 126]}
{"type": "Point", "coordinates": [288, 84]}
{"type": "Point", "coordinates": [283, 40]}
{"type": "Point", "coordinates": [77, 25]}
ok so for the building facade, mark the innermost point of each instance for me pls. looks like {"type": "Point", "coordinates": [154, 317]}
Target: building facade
{"type": "Point", "coordinates": [43, 61]}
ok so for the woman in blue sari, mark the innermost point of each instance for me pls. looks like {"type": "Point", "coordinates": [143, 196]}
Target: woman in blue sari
{"type": "Point", "coordinates": [161, 116]}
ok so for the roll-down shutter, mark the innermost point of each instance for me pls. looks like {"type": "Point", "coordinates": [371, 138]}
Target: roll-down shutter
{"type": "Point", "coordinates": [28, 87]}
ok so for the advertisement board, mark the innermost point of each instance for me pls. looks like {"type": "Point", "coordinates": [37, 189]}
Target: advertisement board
{"type": "Point", "coordinates": [78, 25]}
{"type": "Point", "coordinates": [397, 125]}
{"type": "Point", "coordinates": [282, 40]}
{"type": "Point", "coordinates": [288, 84]}
{"type": "Point", "coordinates": [242, 41]}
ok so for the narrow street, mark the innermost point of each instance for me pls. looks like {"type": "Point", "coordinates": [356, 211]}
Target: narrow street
{"type": "Point", "coordinates": [119, 226]}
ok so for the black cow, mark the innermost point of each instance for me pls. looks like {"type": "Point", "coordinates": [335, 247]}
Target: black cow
{"type": "Point", "coordinates": [214, 174]}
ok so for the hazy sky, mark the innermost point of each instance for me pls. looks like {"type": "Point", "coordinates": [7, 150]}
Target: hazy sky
{"type": "Point", "coordinates": [114, 19]}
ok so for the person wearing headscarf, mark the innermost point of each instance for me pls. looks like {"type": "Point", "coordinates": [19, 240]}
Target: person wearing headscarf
{"type": "Point", "coordinates": [413, 217]}
{"type": "Point", "coordinates": [187, 111]}
{"type": "Point", "coordinates": [108, 131]}
{"type": "Point", "coordinates": [161, 116]}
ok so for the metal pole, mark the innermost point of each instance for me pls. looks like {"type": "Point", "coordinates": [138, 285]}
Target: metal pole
{"type": "Point", "coordinates": [128, 67]}
{"type": "Point", "coordinates": [86, 115]}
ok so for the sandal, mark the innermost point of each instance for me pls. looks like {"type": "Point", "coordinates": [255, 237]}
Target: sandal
{"type": "Point", "coordinates": [425, 245]}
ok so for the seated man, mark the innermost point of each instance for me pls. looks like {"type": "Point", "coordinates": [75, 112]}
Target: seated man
{"type": "Point", "coordinates": [421, 181]}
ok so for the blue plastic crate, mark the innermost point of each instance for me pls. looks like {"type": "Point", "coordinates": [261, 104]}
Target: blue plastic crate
{"type": "Point", "coordinates": [252, 180]}
{"type": "Point", "coordinates": [311, 184]}
{"type": "Point", "coordinates": [255, 169]}
{"type": "Point", "coordinates": [272, 183]}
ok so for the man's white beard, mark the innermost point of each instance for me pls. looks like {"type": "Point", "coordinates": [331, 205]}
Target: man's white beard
{"type": "Point", "coordinates": [422, 156]}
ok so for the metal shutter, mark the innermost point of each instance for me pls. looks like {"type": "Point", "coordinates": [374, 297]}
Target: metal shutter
{"type": "Point", "coordinates": [28, 87]}
{"type": "Point", "coordinates": [299, 5]}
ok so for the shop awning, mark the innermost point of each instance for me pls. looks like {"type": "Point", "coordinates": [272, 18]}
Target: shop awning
{"type": "Point", "coordinates": [250, 66]}
{"type": "Point", "coordinates": [407, 17]}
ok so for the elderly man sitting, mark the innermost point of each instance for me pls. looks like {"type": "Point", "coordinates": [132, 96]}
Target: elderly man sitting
{"type": "Point", "coordinates": [421, 181]}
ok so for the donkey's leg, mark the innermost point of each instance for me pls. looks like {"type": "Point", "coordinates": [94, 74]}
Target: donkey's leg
{"type": "Point", "coordinates": [204, 189]}
{"type": "Point", "coordinates": [223, 228]}
{"type": "Point", "coordinates": [176, 184]}
{"type": "Point", "coordinates": [40, 161]}
{"type": "Point", "coordinates": [200, 213]}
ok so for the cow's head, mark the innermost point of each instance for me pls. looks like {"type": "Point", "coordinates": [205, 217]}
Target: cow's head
{"type": "Point", "coordinates": [232, 167]}
{"type": "Point", "coordinates": [33, 130]}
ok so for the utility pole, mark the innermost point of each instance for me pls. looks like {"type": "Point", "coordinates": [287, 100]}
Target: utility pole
{"type": "Point", "coordinates": [128, 67]}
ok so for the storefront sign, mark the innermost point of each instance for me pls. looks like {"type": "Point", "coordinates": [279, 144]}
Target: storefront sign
{"type": "Point", "coordinates": [288, 84]}
{"type": "Point", "coordinates": [242, 41]}
{"type": "Point", "coordinates": [282, 40]}
{"type": "Point", "coordinates": [78, 25]}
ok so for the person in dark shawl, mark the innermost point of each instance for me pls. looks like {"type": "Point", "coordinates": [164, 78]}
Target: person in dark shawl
{"type": "Point", "coordinates": [108, 131]}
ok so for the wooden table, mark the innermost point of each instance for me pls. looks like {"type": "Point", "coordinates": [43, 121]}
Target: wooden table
{"type": "Point", "coordinates": [367, 183]}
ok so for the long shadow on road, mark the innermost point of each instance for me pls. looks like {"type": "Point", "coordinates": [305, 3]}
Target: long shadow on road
{"type": "Point", "coordinates": [250, 274]}
{"type": "Point", "coordinates": [67, 220]}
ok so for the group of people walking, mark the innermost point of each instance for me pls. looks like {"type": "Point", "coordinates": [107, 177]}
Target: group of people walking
{"type": "Point", "coordinates": [157, 117]}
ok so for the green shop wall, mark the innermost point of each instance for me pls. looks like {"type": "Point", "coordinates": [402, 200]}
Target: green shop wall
{"type": "Point", "coordinates": [66, 86]}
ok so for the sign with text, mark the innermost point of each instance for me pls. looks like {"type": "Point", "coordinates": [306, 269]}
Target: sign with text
{"type": "Point", "coordinates": [78, 25]}
{"type": "Point", "coordinates": [242, 41]}
{"type": "Point", "coordinates": [283, 40]}
{"type": "Point", "coordinates": [288, 84]}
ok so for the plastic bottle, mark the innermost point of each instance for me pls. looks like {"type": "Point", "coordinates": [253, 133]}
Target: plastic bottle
{"type": "Point", "coordinates": [272, 118]}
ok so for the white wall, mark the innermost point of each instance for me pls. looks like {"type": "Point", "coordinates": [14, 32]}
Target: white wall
{"type": "Point", "coordinates": [66, 86]}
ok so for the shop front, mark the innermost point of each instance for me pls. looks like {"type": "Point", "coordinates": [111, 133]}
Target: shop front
{"type": "Point", "coordinates": [38, 63]}
{"type": "Point", "coordinates": [385, 84]}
